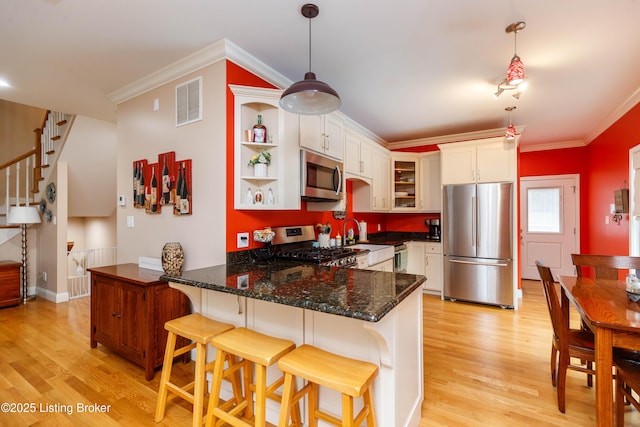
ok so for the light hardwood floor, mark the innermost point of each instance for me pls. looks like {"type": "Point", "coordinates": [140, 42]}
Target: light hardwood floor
{"type": "Point", "coordinates": [483, 366]}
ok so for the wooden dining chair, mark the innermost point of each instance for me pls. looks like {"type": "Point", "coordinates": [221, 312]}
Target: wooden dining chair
{"type": "Point", "coordinates": [610, 267]}
{"type": "Point", "coordinates": [579, 342]}
{"type": "Point", "coordinates": [627, 382]}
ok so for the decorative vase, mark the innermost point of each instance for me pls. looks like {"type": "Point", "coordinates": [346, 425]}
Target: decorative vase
{"type": "Point", "coordinates": [172, 258]}
{"type": "Point", "coordinates": [260, 170]}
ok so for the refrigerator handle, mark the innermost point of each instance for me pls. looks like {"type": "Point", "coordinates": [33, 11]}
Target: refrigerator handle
{"type": "Point", "coordinates": [473, 220]}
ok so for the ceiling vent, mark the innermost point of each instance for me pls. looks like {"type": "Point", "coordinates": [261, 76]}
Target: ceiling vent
{"type": "Point", "coordinates": [189, 102]}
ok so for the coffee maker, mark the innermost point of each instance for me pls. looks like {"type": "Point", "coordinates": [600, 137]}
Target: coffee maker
{"type": "Point", "coordinates": [434, 228]}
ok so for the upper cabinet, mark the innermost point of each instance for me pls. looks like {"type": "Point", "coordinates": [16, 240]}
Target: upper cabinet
{"type": "Point", "coordinates": [322, 134]}
{"type": "Point", "coordinates": [490, 160]}
{"type": "Point", "coordinates": [405, 191]}
{"type": "Point", "coordinates": [358, 155]}
{"type": "Point", "coordinates": [373, 195]}
{"type": "Point", "coordinates": [278, 185]}
{"type": "Point", "coordinates": [431, 194]}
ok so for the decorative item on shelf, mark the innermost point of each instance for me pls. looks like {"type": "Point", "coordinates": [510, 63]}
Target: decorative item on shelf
{"type": "Point", "coordinates": [270, 198]}
{"type": "Point", "coordinates": [258, 198]}
{"type": "Point", "coordinates": [248, 135]}
{"type": "Point", "coordinates": [249, 197]}
{"type": "Point", "coordinates": [172, 258]}
{"type": "Point", "coordinates": [259, 131]}
{"type": "Point", "coordinates": [310, 96]}
{"type": "Point", "coordinates": [511, 132]}
{"type": "Point", "coordinates": [260, 161]}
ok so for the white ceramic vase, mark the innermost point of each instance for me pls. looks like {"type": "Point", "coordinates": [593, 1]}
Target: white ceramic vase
{"type": "Point", "coordinates": [260, 170]}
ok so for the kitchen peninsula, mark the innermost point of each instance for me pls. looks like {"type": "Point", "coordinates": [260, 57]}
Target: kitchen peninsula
{"type": "Point", "coordinates": [369, 315]}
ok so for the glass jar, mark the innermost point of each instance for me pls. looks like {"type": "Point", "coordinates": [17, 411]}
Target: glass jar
{"type": "Point", "coordinates": [172, 258]}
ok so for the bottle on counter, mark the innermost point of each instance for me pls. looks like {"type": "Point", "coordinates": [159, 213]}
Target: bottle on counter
{"type": "Point", "coordinates": [338, 240]}
{"type": "Point", "coordinates": [351, 237]}
{"type": "Point", "coordinates": [259, 131]}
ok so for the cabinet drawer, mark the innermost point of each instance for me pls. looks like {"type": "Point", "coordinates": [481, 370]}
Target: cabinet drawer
{"type": "Point", "coordinates": [434, 248]}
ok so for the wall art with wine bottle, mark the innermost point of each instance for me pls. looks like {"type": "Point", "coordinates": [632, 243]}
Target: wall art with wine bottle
{"type": "Point", "coordinates": [166, 183]}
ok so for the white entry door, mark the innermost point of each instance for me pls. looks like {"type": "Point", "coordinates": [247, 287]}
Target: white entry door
{"type": "Point", "coordinates": [550, 224]}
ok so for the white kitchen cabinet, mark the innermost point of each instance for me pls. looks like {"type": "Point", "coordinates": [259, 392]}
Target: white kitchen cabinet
{"type": "Point", "coordinates": [322, 134]}
{"type": "Point", "coordinates": [405, 189]}
{"type": "Point", "coordinates": [433, 268]}
{"type": "Point", "coordinates": [489, 160]}
{"type": "Point", "coordinates": [431, 197]}
{"type": "Point", "coordinates": [280, 188]}
{"type": "Point", "coordinates": [381, 182]}
{"type": "Point", "coordinates": [358, 155]}
{"type": "Point", "coordinates": [426, 258]}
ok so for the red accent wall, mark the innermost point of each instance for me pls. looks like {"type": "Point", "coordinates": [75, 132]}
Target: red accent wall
{"type": "Point", "coordinates": [603, 166]}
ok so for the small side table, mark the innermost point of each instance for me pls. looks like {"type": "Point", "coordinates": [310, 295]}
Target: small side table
{"type": "Point", "coordinates": [10, 283]}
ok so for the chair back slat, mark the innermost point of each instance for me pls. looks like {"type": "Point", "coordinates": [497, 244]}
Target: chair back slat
{"type": "Point", "coordinates": [553, 302]}
{"type": "Point", "coordinates": [610, 267]}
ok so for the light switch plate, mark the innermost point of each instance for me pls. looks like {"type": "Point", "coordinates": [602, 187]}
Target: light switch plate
{"type": "Point", "coordinates": [243, 240]}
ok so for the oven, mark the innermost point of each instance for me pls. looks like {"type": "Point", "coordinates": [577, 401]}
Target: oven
{"type": "Point", "coordinates": [400, 258]}
{"type": "Point", "coordinates": [321, 177]}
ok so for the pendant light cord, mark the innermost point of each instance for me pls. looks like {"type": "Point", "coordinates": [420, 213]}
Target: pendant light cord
{"type": "Point", "coordinates": [309, 44]}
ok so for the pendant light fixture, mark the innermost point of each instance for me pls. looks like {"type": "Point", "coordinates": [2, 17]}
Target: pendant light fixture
{"type": "Point", "coordinates": [515, 72]}
{"type": "Point", "coordinates": [310, 96]}
{"type": "Point", "coordinates": [510, 134]}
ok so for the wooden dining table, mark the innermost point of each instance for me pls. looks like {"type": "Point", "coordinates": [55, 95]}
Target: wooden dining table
{"type": "Point", "coordinates": [615, 322]}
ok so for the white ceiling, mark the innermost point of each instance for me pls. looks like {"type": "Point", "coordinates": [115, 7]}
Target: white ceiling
{"type": "Point", "coordinates": [405, 69]}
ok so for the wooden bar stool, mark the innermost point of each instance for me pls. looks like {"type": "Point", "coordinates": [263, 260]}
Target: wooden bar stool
{"type": "Point", "coordinates": [200, 330]}
{"type": "Point", "coordinates": [256, 350]}
{"type": "Point", "coordinates": [350, 377]}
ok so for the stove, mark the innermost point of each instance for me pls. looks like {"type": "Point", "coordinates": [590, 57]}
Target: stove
{"type": "Point", "coordinates": [297, 243]}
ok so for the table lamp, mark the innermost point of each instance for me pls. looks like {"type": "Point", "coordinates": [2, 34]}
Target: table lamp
{"type": "Point", "coordinates": [23, 215]}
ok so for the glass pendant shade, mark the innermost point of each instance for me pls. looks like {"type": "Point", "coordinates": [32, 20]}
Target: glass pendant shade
{"type": "Point", "coordinates": [310, 96]}
{"type": "Point", "coordinates": [510, 134]}
{"type": "Point", "coordinates": [515, 72]}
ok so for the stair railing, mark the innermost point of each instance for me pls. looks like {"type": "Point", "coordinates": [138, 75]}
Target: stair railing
{"type": "Point", "coordinates": [29, 167]}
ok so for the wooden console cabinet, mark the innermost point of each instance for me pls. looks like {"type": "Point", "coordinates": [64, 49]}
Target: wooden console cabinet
{"type": "Point", "coordinates": [129, 307]}
{"type": "Point", "coordinates": [9, 283]}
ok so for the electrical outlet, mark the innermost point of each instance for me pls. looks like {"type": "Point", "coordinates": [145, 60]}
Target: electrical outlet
{"type": "Point", "coordinates": [243, 240]}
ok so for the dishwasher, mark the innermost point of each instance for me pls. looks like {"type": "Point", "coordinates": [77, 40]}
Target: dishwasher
{"type": "Point", "coordinates": [400, 258]}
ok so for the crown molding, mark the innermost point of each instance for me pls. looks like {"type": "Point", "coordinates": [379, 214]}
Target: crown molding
{"type": "Point", "coordinates": [553, 145]}
{"type": "Point", "coordinates": [456, 137]}
{"type": "Point", "coordinates": [624, 108]}
{"type": "Point", "coordinates": [217, 51]}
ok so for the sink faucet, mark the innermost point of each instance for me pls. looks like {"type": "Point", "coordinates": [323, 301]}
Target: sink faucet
{"type": "Point", "coordinates": [344, 231]}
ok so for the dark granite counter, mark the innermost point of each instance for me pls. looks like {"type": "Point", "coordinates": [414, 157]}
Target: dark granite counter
{"type": "Point", "coordinates": [359, 294]}
{"type": "Point", "coordinates": [399, 237]}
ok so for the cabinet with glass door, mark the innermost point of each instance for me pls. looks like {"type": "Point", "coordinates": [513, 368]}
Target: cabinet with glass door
{"type": "Point", "coordinates": [406, 183]}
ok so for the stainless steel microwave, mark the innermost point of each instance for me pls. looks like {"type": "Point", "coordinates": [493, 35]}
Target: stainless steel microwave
{"type": "Point", "coordinates": [321, 177]}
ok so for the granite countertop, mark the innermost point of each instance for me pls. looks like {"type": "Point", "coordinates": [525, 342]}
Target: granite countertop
{"type": "Point", "coordinates": [399, 237]}
{"type": "Point", "coordinates": [360, 294]}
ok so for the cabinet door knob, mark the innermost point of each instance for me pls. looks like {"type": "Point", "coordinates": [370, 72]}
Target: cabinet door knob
{"type": "Point", "coordinates": [113, 315]}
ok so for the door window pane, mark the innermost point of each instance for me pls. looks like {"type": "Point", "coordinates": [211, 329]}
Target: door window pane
{"type": "Point", "coordinates": [544, 210]}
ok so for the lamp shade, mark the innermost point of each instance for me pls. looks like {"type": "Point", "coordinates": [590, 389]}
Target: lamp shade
{"type": "Point", "coordinates": [511, 133]}
{"type": "Point", "coordinates": [310, 96]}
{"type": "Point", "coordinates": [23, 215]}
{"type": "Point", "coordinates": [515, 72]}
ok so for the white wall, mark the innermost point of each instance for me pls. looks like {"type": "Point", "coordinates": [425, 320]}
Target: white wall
{"type": "Point", "coordinates": [143, 134]}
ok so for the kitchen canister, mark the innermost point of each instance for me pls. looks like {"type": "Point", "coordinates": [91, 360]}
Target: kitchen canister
{"type": "Point", "coordinates": [172, 258]}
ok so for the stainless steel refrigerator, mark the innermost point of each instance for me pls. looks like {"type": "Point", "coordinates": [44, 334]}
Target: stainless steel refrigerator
{"type": "Point", "coordinates": [477, 223]}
